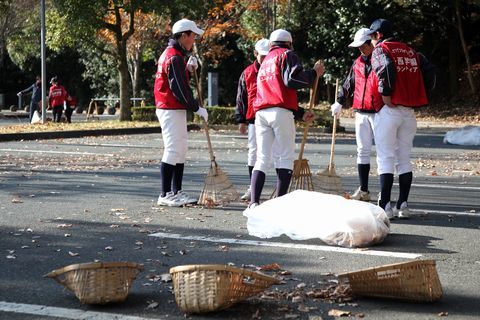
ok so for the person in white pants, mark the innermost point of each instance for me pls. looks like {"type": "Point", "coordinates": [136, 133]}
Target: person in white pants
{"type": "Point", "coordinates": [361, 85]}
{"type": "Point", "coordinates": [244, 113]}
{"type": "Point", "coordinates": [280, 75]}
{"type": "Point", "coordinates": [405, 78]}
{"type": "Point", "coordinates": [173, 97]}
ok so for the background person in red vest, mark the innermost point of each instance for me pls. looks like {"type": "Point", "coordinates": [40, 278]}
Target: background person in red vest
{"type": "Point", "coordinates": [244, 113]}
{"type": "Point", "coordinates": [56, 99]}
{"type": "Point", "coordinates": [70, 107]}
{"type": "Point", "coordinates": [173, 97]}
{"type": "Point", "coordinates": [361, 83]}
{"type": "Point", "coordinates": [279, 77]}
{"type": "Point", "coordinates": [404, 77]}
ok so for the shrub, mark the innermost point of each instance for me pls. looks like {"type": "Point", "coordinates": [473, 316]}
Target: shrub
{"type": "Point", "coordinates": [219, 115]}
{"type": "Point", "coordinates": [144, 113]}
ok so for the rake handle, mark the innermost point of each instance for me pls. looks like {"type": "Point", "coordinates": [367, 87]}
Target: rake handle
{"type": "Point", "coordinates": [207, 132]}
{"type": "Point", "coordinates": [313, 94]}
{"type": "Point", "coordinates": [334, 132]}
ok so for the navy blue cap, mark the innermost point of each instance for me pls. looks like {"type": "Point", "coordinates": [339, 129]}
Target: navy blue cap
{"type": "Point", "coordinates": [383, 26]}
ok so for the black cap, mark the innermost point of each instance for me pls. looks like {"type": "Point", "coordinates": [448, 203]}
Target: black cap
{"type": "Point", "coordinates": [383, 26]}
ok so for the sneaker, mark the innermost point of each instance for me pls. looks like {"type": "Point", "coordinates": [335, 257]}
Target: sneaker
{"type": "Point", "coordinates": [170, 200]}
{"type": "Point", "coordinates": [250, 207]}
{"type": "Point", "coordinates": [403, 212]}
{"type": "Point", "coordinates": [361, 195]}
{"type": "Point", "coordinates": [389, 211]}
{"type": "Point", "coordinates": [182, 195]}
{"type": "Point", "coordinates": [246, 195]}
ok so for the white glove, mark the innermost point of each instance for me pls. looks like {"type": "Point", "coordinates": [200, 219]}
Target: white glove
{"type": "Point", "coordinates": [192, 64]}
{"type": "Point", "coordinates": [336, 109]}
{"type": "Point", "coordinates": [202, 112]}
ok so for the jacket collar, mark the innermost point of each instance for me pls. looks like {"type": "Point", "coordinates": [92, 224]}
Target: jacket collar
{"type": "Point", "coordinates": [175, 44]}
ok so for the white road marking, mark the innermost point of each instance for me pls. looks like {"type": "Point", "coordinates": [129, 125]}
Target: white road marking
{"type": "Point", "coordinates": [63, 313]}
{"type": "Point", "coordinates": [57, 152]}
{"type": "Point", "coordinates": [362, 251]}
{"type": "Point", "coordinates": [457, 213]}
{"type": "Point", "coordinates": [446, 186]}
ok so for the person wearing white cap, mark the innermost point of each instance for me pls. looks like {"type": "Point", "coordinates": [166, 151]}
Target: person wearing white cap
{"type": "Point", "coordinates": [361, 84]}
{"type": "Point", "coordinates": [173, 97]}
{"type": "Point", "coordinates": [244, 113]}
{"type": "Point", "coordinates": [404, 79]}
{"type": "Point", "coordinates": [275, 104]}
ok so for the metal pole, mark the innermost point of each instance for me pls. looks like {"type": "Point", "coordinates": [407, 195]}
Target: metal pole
{"type": "Point", "coordinates": [43, 57]}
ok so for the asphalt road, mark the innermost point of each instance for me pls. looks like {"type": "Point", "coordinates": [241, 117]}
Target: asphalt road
{"type": "Point", "coordinates": [79, 200]}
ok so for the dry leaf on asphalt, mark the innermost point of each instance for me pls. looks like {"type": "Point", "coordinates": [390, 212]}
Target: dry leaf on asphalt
{"type": "Point", "coordinates": [338, 313]}
{"type": "Point", "coordinates": [270, 267]}
{"type": "Point", "coordinates": [152, 305]}
{"type": "Point", "coordinates": [64, 225]}
{"type": "Point", "coordinates": [166, 277]}
{"type": "Point", "coordinates": [73, 254]}
{"type": "Point", "coordinates": [16, 200]}
{"type": "Point", "coordinates": [443, 314]}
{"type": "Point", "coordinates": [109, 248]}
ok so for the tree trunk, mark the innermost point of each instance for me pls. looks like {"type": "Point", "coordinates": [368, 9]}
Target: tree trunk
{"type": "Point", "coordinates": [464, 47]}
{"type": "Point", "coordinates": [124, 80]}
{"type": "Point", "coordinates": [453, 61]}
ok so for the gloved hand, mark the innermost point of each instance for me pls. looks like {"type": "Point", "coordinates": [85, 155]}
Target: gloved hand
{"type": "Point", "coordinates": [19, 94]}
{"type": "Point", "coordinates": [202, 112]}
{"type": "Point", "coordinates": [192, 64]}
{"type": "Point", "coordinates": [336, 109]}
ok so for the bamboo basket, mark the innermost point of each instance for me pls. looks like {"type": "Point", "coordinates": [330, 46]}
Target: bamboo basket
{"type": "Point", "coordinates": [416, 280]}
{"type": "Point", "coordinates": [207, 288]}
{"type": "Point", "coordinates": [98, 282]}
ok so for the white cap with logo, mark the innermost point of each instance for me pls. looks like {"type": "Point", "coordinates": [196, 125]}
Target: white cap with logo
{"type": "Point", "coordinates": [361, 36]}
{"type": "Point", "coordinates": [186, 25]}
{"type": "Point", "coordinates": [262, 46]}
{"type": "Point", "coordinates": [281, 35]}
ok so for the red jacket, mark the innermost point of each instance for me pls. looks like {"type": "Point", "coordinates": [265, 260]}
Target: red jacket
{"type": "Point", "coordinates": [57, 96]}
{"type": "Point", "coordinates": [409, 89]}
{"type": "Point", "coordinates": [164, 97]}
{"type": "Point", "coordinates": [250, 77]}
{"type": "Point", "coordinates": [366, 96]}
{"type": "Point", "coordinates": [271, 90]}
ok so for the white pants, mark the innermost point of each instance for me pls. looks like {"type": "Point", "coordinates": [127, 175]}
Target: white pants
{"type": "Point", "coordinates": [275, 126]}
{"type": "Point", "coordinates": [394, 130]}
{"type": "Point", "coordinates": [364, 136]}
{"type": "Point", "coordinates": [252, 145]}
{"type": "Point", "coordinates": [174, 134]}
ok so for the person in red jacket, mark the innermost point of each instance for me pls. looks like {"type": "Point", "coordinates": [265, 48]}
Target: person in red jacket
{"type": "Point", "coordinates": [279, 77]}
{"type": "Point", "coordinates": [56, 99]}
{"type": "Point", "coordinates": [173, 97]}
{"type": "Point", "coordinates": [404, 79]}
{"type": "Point", "coordinates": [244, 113]}
{"type": "Point", "coordinates": [361, 83]}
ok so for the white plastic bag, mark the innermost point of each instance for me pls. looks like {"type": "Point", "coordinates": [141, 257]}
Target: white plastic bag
{"type": "Point", "coordinates": [307, 214]}
{"type": "Point", "coordinates": [36, 117]}
{"type": "Point", "coordinates": [468, 136]}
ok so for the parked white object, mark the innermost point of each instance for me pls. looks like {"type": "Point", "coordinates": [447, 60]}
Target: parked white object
{"type": "Point", "coordinates": [305, 215]}
{"type": "Point", "coordinates": [467, 136]}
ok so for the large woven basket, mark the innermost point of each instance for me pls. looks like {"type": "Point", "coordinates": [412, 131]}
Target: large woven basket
{"type": "Point", "coordinates": [206, 288]}
{"type": "Point", "coordinates": [97, 282]}
{"type": "Point", "coordinates": [415, 280]}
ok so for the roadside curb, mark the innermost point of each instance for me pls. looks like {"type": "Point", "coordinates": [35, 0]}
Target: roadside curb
{"type": "Point", "coordinates": [82, 133]}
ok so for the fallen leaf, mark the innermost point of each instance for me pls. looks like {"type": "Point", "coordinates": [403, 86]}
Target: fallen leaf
{"type": "Point", "coordinates": [109, 248]}
{"type": "Point", "coordinates": [222, 248]}
{"type": "Point", "coordinates": [443, 314]}
{"type": "Point", "coordinates": [166, 277]}
{"type": "Point", "coordinates": [338, 313]}
{"type": "Point", "coordinates": [183, 252]}
{"type": "Point", "coordinates": [270, 267]}
{"type": "Point", "coordinates": [297, 299]}
{"type": "Point", "coordinates": [64, 225]}
{"type": "Point", "coordinates": [11, 256]}
{"type": "Point", "coordinates": [67, 235]}
{"type": "Point", "coordinates": [73, 254]}
{"type": "Point", "coordinates": [152, 305]}
{"type": "Point", "coordinates": [292, 316]}
{"type": "Point", "coordinates": [17, 200]}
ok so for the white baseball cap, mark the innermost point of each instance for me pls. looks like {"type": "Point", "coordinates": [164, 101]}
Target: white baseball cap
{"type": "Point", "coordinates": [186, 25]}
{"type": "Point", "coordinates": [361, 36]}
{"type": "Point", "coordinates": [262, 46]}
{"type": "Point", "coordinates": [281, 35]}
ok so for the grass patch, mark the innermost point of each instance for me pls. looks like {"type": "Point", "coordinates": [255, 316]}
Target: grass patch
{"type": "Point", "coordinates": [84, 125]}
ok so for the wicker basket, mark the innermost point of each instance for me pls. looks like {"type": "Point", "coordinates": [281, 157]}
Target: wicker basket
{"type": "Point", "coordinates": [206, 288]}
{"type": "Point", "coordinates": [415, 280]}
{"type": "Point", "coordinates": [98, 283]}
